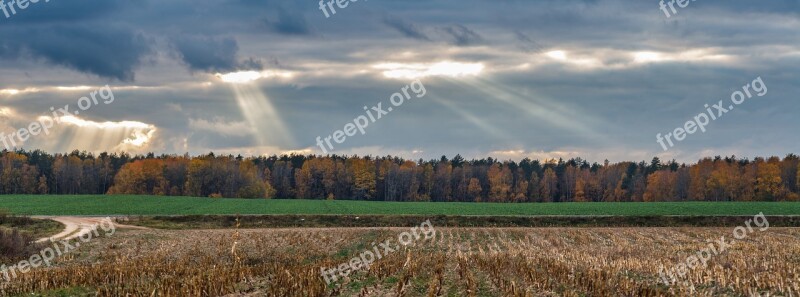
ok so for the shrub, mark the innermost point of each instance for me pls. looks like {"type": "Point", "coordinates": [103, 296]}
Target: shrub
{"type": "Point", "coordinates": [16, 245]}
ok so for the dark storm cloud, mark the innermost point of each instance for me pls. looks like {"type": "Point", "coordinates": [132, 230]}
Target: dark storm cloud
{"type": "Point", "coordinates": [210, 54]}
{"type": "Point", "coordinates": [290, 22]}
{"type": "Point", "coordinates": [408, 29]}
{"type": "Point", "coordinates": [64, 33]}
{"type": "Point", "coordinates": [463, 36]}
{"type": "Point", "coordinates": [106, 52]}
{"type": "Point", "coordinates": [56, 11]}
{"type": "Point", "coordinates": [527, 44]}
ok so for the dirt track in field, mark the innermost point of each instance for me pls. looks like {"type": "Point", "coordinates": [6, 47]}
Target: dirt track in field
{"type": "Point", "coordinates": [78, 226]}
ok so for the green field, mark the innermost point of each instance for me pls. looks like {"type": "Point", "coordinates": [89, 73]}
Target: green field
{"type": "Point", "coordinates": [158, 205]}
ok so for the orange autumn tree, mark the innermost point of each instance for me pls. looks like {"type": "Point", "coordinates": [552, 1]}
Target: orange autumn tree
{"type": "Point", "coordinates": [769, 186]}
{"type": "Point", "coordinates": [140, 177]}
{"type": "Point", "coordinates": [660, 186]}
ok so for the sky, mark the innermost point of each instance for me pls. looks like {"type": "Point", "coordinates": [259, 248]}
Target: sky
{"type": "Point", "coordinates": [597, 79]}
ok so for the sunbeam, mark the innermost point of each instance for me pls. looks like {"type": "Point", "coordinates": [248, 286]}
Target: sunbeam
{"type": "Point", "coordinates": [261, 115]}
{"type": "Point", "coordinates": [478, 122]}
{"type": "Point", "coordinates": [561, 108]}
{"type": "Point", "coordinates": [557, 115]}
{"type": "Point", "coordinates": [81, 134]}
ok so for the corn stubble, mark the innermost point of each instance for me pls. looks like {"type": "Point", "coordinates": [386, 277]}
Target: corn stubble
{"type": "Point", "coordinates": [457, 262]}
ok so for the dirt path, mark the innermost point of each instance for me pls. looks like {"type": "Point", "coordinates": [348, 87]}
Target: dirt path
{"type": "Point", "coordinates": [77, 226]}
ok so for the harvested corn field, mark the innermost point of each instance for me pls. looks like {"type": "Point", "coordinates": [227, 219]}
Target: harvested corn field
{"type": "Point", "coordinates": [452, 262]}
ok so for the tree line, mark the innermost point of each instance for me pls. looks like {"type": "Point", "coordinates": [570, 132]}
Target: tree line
{"type": "Point", "coordinates": [396, 179]}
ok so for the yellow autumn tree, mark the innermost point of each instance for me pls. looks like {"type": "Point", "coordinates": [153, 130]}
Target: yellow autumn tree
{"type": "Point", "coordinates": [769, 186]}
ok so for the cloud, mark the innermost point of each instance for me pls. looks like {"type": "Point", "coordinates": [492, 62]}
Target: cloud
{"type": "Point", "coordinates": [73, 132]}
{"type": "Point", "coordinates": [617, 155]}
{"type": "Point", "coordinates": [463, 36]}
{"type": "Point", "coordinates": [290, 23]}
{"type": "Point", "coordinates": [527, 44]}
{"type": "Point", "coordinates": [242, 77]}
{"type": "Point", "coordinates": [50, 12]}
{"type": "Point", "coordinates": [420, 70]}
{"type": "Point", "coordinates": [209, 54]}
{"type": "Point", "coordinates": [7, 114]}
{"type": "Point", "coordinates": [406, 28]}
{"type": "Point", "coordinates": [106, 52]}
{"type": "Point", "coordinates": [219, 126]}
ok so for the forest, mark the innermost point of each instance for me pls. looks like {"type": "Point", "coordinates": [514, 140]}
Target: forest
{"type": "Point", "coordinates": [396, 179]}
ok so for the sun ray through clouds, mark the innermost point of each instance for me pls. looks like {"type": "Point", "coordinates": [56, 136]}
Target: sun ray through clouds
{"type": "Point", "coordinates": [260, 113]}
{"type": "Point", "coordinates": [472, 118]}
{"type": "Point", "coordinates": [75, 133]}
{"type": "Point", "coordinates": [559, 115]}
